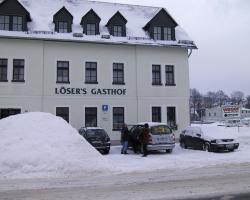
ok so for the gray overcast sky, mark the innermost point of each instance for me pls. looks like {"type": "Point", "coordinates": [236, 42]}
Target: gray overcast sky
{"type": "Point", "coordinates": [221, 30]}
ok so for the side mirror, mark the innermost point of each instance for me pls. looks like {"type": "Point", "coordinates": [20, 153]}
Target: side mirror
{"type": "Point", "coordinates": [198, 135]}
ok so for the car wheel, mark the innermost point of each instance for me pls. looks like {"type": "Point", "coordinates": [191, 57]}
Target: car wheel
{"type": "Point", "coordinates": [106, 151]}
{"type": "Point", "coordinates": [169, 150]}
{"type": "Point", "coordinates": [183, 145]}
{"type": "Point", "coordinates": [206, 147]}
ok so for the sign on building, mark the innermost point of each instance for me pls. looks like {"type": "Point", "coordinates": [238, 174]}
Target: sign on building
{"type": "Point", "coordinates": [231, 112]}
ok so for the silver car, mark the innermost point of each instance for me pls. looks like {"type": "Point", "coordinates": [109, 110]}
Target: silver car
{"type": "Point", "coordinates": [161, 136]}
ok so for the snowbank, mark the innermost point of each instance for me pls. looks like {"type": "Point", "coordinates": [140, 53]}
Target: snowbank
{"type": "Point", "coordinates": [41, 144]}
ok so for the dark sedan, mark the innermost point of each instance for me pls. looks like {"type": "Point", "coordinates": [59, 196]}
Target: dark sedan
{"type": "Point", "coordinates": [207, 139]}
{"type": "Point", "coordinates": [97, 137]}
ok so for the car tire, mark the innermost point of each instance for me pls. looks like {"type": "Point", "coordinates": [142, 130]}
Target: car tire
{"type": "Point", "coordinates": [169, 150]}
{"type": "Point", "coordinates": [106, 151]}
{"type": "Point", "coordinates": [206, 147]}
{"type": "Point", "coordinates": [183, 145]}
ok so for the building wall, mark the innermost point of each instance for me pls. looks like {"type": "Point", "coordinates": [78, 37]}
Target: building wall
{"type": "Point", "coordinates": [38, 91]}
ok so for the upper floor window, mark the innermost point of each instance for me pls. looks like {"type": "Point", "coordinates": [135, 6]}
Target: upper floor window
{"type": "Point", "coordinates": [170, 75]}
{"type": "Point", "coordinates": [63, 112]}
{"type": "Point", "coordinates": [62, 27]}
{"type": "Point", "coordinates": [62, 72]}
{"type": "Point", "coordinates": [117, 31]}
{"type": "Point", "coordinates": [4, 23]}
{"type": "Point", "coordinates": [156, 75]}
{"type": "Point", "coordinates": [3, 70]}
{"type": "Point", "coordinates": [157, 33]}
{"type": "Point", "coordinates": [118, 73]}
{"type": "Point", "coordinates": [167, 33]}
{"type": "Point", "coordinates": [11, 23]}
{"type": "Point", "coordinates": [91, 29]}
{"type": "Point", "coordinates": [18, 70]}
{"type": "Point", "coordinates": [91, 72]}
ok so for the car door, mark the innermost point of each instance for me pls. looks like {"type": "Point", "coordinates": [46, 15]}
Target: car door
{"type": "Point", "coordinates": [197, 141]}
{"type": "Point", "coordinates": [188, 137]}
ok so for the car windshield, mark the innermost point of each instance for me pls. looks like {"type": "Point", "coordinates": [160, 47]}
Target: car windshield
{"type": "Point", "coordinates": [160, 130]}
{"type": "Point", "coordinates": [96, 133]}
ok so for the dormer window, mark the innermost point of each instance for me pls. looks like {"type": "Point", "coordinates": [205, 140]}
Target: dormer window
{"type": "Point", "coordinates": [117, 31]}
{"type": "Point", "coordinates": [91, 29]}
{"type": "Point", "coordinates": [117, 25]}
{"type": "Point", "coordinates": [90, 23]}
{"type": "Point", "coordinates": [63, 21]}
{"type": "Point", "coordinates": [161, 26]}
{"type": "Point", "coordinates": [13, 16]}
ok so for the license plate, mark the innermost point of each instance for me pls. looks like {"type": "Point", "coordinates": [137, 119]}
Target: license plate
{"type": "Point", "coordinates": [230, 146]}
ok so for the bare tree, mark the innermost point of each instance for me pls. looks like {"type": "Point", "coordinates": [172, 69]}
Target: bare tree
{"type": "Point", "coordinates": [237, 97]}
{"type": "Point", "coordinates": [195, 101]}
{"type": "Point", "coordinates": [221, 97]}
{"type": "Point", "coordinates": [209, 99]}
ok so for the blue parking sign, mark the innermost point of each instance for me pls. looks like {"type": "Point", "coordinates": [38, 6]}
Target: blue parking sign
{"type": "Point", "coordinates": [105, 108]}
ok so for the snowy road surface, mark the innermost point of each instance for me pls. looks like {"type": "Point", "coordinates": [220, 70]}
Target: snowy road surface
{"type": "Point", "coordinates": [161, 184]}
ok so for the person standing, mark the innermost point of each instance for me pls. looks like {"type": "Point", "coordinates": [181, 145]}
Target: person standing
{"type": "Point", "coordinates": [124, 139]}
{"type": "Point", "coordinates": [145, 139]}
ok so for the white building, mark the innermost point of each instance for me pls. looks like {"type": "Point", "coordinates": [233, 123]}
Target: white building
{"type": "Point", "coordinates": [93, 63]}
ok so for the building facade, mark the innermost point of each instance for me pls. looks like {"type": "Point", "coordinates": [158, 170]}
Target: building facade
{"type": "Point", "coordinates": [91, 78]}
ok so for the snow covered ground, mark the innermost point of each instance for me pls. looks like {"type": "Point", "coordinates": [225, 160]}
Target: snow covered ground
{"type": "Point", "coordinates": [43, 145]}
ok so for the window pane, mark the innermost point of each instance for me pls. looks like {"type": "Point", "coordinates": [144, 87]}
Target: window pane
{"type": "Point", "coordinates": [4, 22]}
{"type": "Point", "coordinates": [156, 75]}
{"type": "Point", "coordinates": [91, 29]}
{"type": "Point", "coordinates": [18, 70]}
{"type": "Point", "coordinates": [3, 69]}
{"type": "Point", "coordinates": [118, 31]}
{"type": "Point", "coordinates": [156, 114]}
{"type": "Point", "coordinates": [167, 33]}
{"type": "Point", "coordinates": [63, 71]}
{"type": "Point", "coordinates": [170, 75]}
{"type": "Point", "coordinates": [90, 72]}
{"type": "Point", "coordinates": [118, 73]}
{"type": "Point", "coordinates": [157, 33]}
{"type": "Point", "coordinates": [91, 117]}
{"type": "Point", "coordinates": [118, 117]}
{"type": "Point", "coordinates": [17, 23]}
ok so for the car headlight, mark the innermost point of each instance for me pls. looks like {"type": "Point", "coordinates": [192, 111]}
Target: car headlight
{"type": "Point", "coordinates": [218, 141]}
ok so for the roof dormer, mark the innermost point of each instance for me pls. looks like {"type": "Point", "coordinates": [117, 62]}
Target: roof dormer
{"type": "Point", "coordinates": [63, 21]}
{"type": "Point", "coordinates": [13, 16]}
{"type": "Point", "coordinates": [117, 25]}
{"type": "Point", "coordinates": [161, 26]}
{"type": "Point", "coordinates": [90, 23]}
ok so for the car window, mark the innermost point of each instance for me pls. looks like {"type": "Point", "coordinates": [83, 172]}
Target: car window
{"type": "Point", "coordinates": [160, 130]}
{"type": "Point", "coordinates": [96, 133]}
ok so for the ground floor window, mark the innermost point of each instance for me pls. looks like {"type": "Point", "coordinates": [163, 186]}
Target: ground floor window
{"type": "Point", "coordinates": [171, 117]}
{"type": "Point", "coordinates": [91, 117]}
{"type": "Point", "coordinates": [63, 112]}
{"type": "Point", "coordinates": [6, 112]}
{"type": "Point", "coordinates": [156, 114]}
{"type": "Point", "coordinates": [118, 117]}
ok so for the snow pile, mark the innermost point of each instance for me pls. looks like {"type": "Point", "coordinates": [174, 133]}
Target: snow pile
{"type": "Point", "coordinates": [41, 144]}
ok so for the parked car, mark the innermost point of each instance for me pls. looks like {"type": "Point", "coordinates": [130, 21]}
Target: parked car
{"type": "Point", "coordinates": [161, 137]}
{"type": "Point", "coordinates": [97, 137]}
{"type": "Point", "coordinates": [207, 139]}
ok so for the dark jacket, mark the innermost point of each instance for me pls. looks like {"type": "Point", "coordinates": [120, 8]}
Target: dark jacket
{"type": "Point", "coordinates": [145, 136]}
{"type": "Point", "coordinates": [124, 134]}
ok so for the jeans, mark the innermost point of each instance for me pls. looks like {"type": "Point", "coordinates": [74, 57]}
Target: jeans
{"type": "Point", "coordinates": [124, 147]}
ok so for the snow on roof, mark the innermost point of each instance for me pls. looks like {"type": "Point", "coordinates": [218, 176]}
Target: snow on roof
{"type": "Point", "coordinates": [137, 16]}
